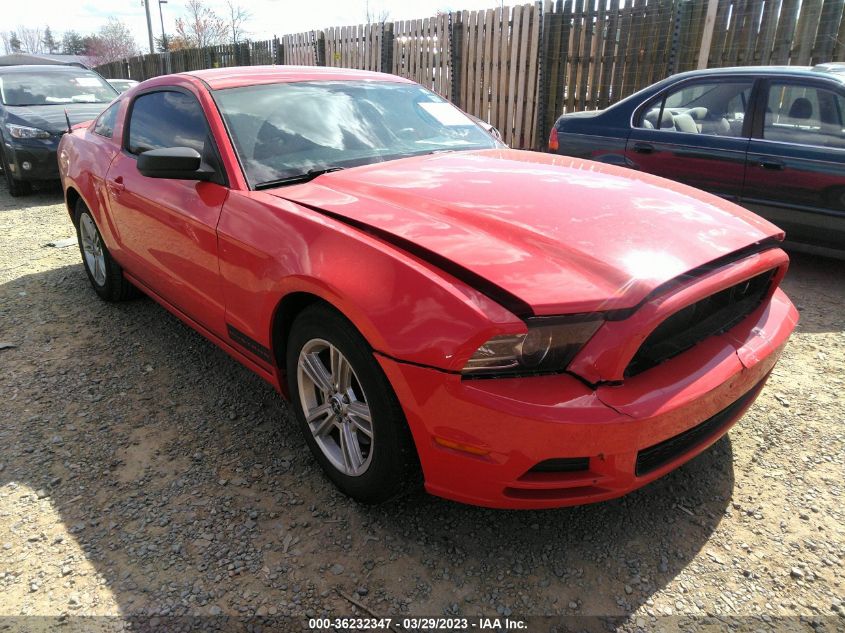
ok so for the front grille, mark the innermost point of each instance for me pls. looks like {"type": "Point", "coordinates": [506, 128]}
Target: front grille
{"type": "Point", "coordinates": [712, 315]}
{"type": "Point", "coordinates": [654, 457]}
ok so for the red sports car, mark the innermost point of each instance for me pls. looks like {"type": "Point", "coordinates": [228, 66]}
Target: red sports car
{"type": "Point", "coordinates": [513, 329]}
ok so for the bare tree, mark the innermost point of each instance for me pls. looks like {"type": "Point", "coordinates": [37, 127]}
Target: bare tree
{"type": "Point", "coordinates": [31, 39]}
{"type": "Point", "coordinates": [112, 42]}
{"type": "Point", "coordinates": [201, 26]}
{"type": "Point", "coordinates": [238, 16]}
{"type": "Point", "coordinates": [374, 16]}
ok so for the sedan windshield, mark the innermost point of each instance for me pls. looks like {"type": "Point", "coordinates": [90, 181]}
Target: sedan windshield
{"type": "Point", "coordinates": [39, 88]}
{"type": "Point", "coordinates": [292, 131]}
{"type": "Point", "coordinates": [48, 88]}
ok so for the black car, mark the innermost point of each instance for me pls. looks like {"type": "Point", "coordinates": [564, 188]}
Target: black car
{"type": "Point", "coordinates": [769, 138]}
{"type": "Point", "coordinates": [33, 102]}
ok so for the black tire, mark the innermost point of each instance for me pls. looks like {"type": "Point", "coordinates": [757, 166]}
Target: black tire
{"type": "Point", "coordinates": [113, 286]}
{"type": "Point", "coordinates": [393, 467]}
{"type": "Point", "coordinates": [17, 187]}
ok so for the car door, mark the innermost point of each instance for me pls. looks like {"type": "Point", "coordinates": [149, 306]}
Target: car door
{"type": "Point", "coordinates": [796, 160]}
{"type": "Point", "coordinates": [167, 227]}
{"type": "Point", "coordinates": [695, 132]}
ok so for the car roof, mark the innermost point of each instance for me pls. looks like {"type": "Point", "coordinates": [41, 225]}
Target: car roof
{"type": "Point", "coordinates": [236, 76]}
{"type": "Point", "coordinates": [40, 68]}
{"type": "Point", "coordinates": [835, 71]}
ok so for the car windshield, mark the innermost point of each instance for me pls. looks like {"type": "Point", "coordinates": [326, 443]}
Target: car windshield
{"type": "Point", "coordinates": [290, 130]}
{"type": "Point", "coordinates": [37, 88]}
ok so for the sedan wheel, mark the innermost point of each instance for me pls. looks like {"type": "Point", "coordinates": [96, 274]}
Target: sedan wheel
{"type": "Point", "coordinates": [346, 408]}
{"type": "Point", "coordinates": [335, 407]}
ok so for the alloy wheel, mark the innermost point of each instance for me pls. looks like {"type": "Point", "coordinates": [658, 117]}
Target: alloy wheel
{"type": "Point", "coordinates": [335, 407]}
{"type": "Point", "coordinates": [92, 248]}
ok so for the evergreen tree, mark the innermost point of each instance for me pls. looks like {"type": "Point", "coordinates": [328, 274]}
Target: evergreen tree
{"type": "Point", "coordinates": [50, 43]}
{"type": "Point", "coordinates": [73, 43]}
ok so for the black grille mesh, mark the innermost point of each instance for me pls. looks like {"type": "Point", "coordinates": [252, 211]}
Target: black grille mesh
{"type": "Point", "coordinates": [654, 457]}
{"type": "Point", "coordinates": [712, 315]}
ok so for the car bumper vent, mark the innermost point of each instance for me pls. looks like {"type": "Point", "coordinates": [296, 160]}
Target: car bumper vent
{"type": "Point", "coordinates": [712, 315]}
{"type": "Point", "coordinates": [653, 457]}
{"type": "Point", "coordinates": [562, 465]}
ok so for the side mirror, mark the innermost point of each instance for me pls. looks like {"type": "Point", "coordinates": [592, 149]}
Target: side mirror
{"type": "Point", "coordinates": [180, 163]}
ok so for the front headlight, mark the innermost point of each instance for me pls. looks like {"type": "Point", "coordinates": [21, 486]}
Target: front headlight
{"type": "Point", "coordinates": [544, 348]}
{"type": "Point", "coordinates": [23, 131]}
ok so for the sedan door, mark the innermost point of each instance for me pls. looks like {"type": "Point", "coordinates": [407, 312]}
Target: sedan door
{"type": "Point", "coordinates": [167, 227]}
{"type": "Point", "coordinates": [796, 160]}
{"type": "Point", "coordinates": [695, 133]}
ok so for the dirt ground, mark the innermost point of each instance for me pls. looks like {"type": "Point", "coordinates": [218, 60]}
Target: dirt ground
{"type": "Point", "coordinates": [145, 473]}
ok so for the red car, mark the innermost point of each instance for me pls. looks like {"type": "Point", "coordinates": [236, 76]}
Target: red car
{"type": "Point", "coordinates": [515, 329]}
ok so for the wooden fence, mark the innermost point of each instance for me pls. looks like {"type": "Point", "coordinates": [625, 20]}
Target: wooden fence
{"type": "Point", "coordinates": [520, 67]}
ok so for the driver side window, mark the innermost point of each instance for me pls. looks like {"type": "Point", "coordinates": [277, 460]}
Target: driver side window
{"type": "Point", "coordinates": [166, 119]}
{"type": "Point", "coordinates": [715, 108]}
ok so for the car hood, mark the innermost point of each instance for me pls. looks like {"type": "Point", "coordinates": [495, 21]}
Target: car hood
{"type": "Point", "coordinates": [52, 117]}
{"type": "Point", "coordinates": [561, 234]}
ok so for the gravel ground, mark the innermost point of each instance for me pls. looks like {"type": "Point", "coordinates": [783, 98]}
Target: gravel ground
{"type": "Point", "coordinates": [144, 472]}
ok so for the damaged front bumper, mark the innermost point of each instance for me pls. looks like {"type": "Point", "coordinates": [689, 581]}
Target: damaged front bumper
{"type": "Point", "coordinates": [549, 441]}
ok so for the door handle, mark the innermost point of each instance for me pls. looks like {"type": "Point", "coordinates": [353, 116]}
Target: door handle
{"type": "Point", "coordinates": [116, 185]}
{"type": "Point", "coordinates": [643, 148]}
{"type": "Point", "coordinates": [768, 163]}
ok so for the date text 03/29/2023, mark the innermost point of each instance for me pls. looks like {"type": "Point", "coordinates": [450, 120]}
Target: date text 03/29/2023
{"type": "Point", "coordinates": [418, 624]}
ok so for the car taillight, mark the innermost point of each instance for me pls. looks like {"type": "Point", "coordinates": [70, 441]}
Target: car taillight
{"type": "Point", "coordinates": [553, 144]}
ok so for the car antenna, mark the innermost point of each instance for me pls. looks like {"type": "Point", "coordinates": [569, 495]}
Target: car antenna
{"type": "Point", "coordinates": [67, 119]}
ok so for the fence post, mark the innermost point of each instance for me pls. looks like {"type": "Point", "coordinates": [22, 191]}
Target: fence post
{"type": "Point", "coordinates": [542, 104]}
{"type": "Point", "coordinates": [674, 52]}
{"type": "Point", "coordinates": [278, 51]}
{"type": "Point", "coordinates": [456, 45]}
{"type": "Point", "coordinates": [387, 47]}
{"type": "Point", "coordinates": [320, 48]}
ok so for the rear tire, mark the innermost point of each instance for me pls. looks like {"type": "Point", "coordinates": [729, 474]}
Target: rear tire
{"type": "Point", "coordinates": [17, 188]}
{"type": "Point", "coordinates": [335, 382]}
{"type": "Point", "coordinates": [105, 274]}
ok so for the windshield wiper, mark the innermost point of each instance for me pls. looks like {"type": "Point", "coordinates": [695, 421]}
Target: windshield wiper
{"type": "Point", "coordinates": [290, 180]}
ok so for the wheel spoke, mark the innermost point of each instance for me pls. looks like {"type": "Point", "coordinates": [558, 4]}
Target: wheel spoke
{"type": "Point", "coordinates": [350, 448]}
{"type": "Point", "coordinates": [316, 372]}
{"type": "Point", "coordinates": [341, 371]}
{"type": "Point", "coordinates": [321, 419]}
{"type": "Point", "coordinates": [87, 244]}
{"type": "Point", "coordinates": [359, 414]}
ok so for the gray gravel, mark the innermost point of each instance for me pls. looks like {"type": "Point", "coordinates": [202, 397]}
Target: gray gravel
{"type": "Point", "coordinates": [142, 471]}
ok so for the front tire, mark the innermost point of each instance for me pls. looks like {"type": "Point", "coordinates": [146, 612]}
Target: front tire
{"type": "Point", "coordinates": [347, 410]}
{"type": "Point", "coordinates": [105, 274]}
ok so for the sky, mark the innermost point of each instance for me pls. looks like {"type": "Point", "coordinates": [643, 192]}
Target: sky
{"type": "Point", "coordinates": [268, 17]}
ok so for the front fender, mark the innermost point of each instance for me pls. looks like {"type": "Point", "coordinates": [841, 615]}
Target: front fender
{"type": "Point", "coordinates": [405, 308]}
{"type": "Point", "coordinates": [83, 164]}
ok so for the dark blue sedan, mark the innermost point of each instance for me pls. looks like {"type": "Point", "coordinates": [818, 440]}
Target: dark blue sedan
{"type": "Point", "coordinates": [36, 103]}
{"type": "Point", "coordinates": [769, 138]}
